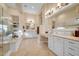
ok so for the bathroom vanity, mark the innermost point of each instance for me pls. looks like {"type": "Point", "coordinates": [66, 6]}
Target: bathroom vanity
{"type": "Point", "coordinates": [63, 45]}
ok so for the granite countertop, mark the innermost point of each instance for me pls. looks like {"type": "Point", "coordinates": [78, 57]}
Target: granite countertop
{"type": "Point", "coordinates": [68, 37]}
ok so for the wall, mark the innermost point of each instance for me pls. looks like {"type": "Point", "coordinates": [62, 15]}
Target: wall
{"type": "Point", "coordinates": [67, 17]}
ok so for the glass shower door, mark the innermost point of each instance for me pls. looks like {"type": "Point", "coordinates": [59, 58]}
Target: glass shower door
{"type": "Point", "coordinates": [5, 32]}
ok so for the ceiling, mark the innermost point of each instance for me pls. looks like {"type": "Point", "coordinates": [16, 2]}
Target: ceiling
{"type": "Point", "coordinates": [33, 8]}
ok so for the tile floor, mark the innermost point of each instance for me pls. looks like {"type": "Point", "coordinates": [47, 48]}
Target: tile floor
{"type": "Point", "coordinates": [32, 47]}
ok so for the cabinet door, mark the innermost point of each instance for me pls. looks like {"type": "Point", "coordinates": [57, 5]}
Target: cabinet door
{"type": "Point", "coordinates": [50, 42]}
{"type": "Point", "coordinates": [55, 45]}
{"type": "Point", "coordinates": [58, 46]}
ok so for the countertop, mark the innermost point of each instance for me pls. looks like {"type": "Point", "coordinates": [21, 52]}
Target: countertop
{"type": "Point", "coordinates": [68, 37]}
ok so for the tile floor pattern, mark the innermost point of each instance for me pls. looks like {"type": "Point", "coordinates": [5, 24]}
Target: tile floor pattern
{"type": "Point", "coordinates": [32, 47]}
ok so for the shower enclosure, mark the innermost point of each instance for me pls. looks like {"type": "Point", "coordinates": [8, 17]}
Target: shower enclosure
{"type": "Point", "coordinates": [5, 32]}
{"type": "Point", "coordinates": [8, 39]}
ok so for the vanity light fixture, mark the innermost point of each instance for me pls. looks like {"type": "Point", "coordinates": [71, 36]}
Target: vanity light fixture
{"type": "Point", "coordinates": [50, 11]}
{"type": "Point", "coordinates": [53, 10]}
{"type": "Point", "coordinates": [59, 5]}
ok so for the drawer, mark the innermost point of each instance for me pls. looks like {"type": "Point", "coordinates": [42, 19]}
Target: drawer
{"type": "Point", "coordinates": [73, 42]}
{"type": "Point", "coordinates": [75, 50]}
{"type": "Point", "coordinates": [71, 51]}
{"type": "Point", "coordinates": [74, 46]}
{"type": "Point", "coordinates": [68, 52]}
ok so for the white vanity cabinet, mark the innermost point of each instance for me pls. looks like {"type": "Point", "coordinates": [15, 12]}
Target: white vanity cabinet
{"type": "Point", "coordinates": [64, 45]}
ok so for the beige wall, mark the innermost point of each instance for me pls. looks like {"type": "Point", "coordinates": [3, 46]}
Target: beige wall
{"type": "Point", "coordinates": [67, 18]}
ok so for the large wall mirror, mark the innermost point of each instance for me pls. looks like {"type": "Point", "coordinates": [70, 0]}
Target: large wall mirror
{"type": "Point", "coordinates": [72, 23]}
{"type": "Point", "coordinates": [30, 24]}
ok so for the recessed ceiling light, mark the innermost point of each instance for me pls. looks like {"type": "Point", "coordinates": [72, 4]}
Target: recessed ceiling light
{"type": "Point", "coordinates": [32, 7]}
